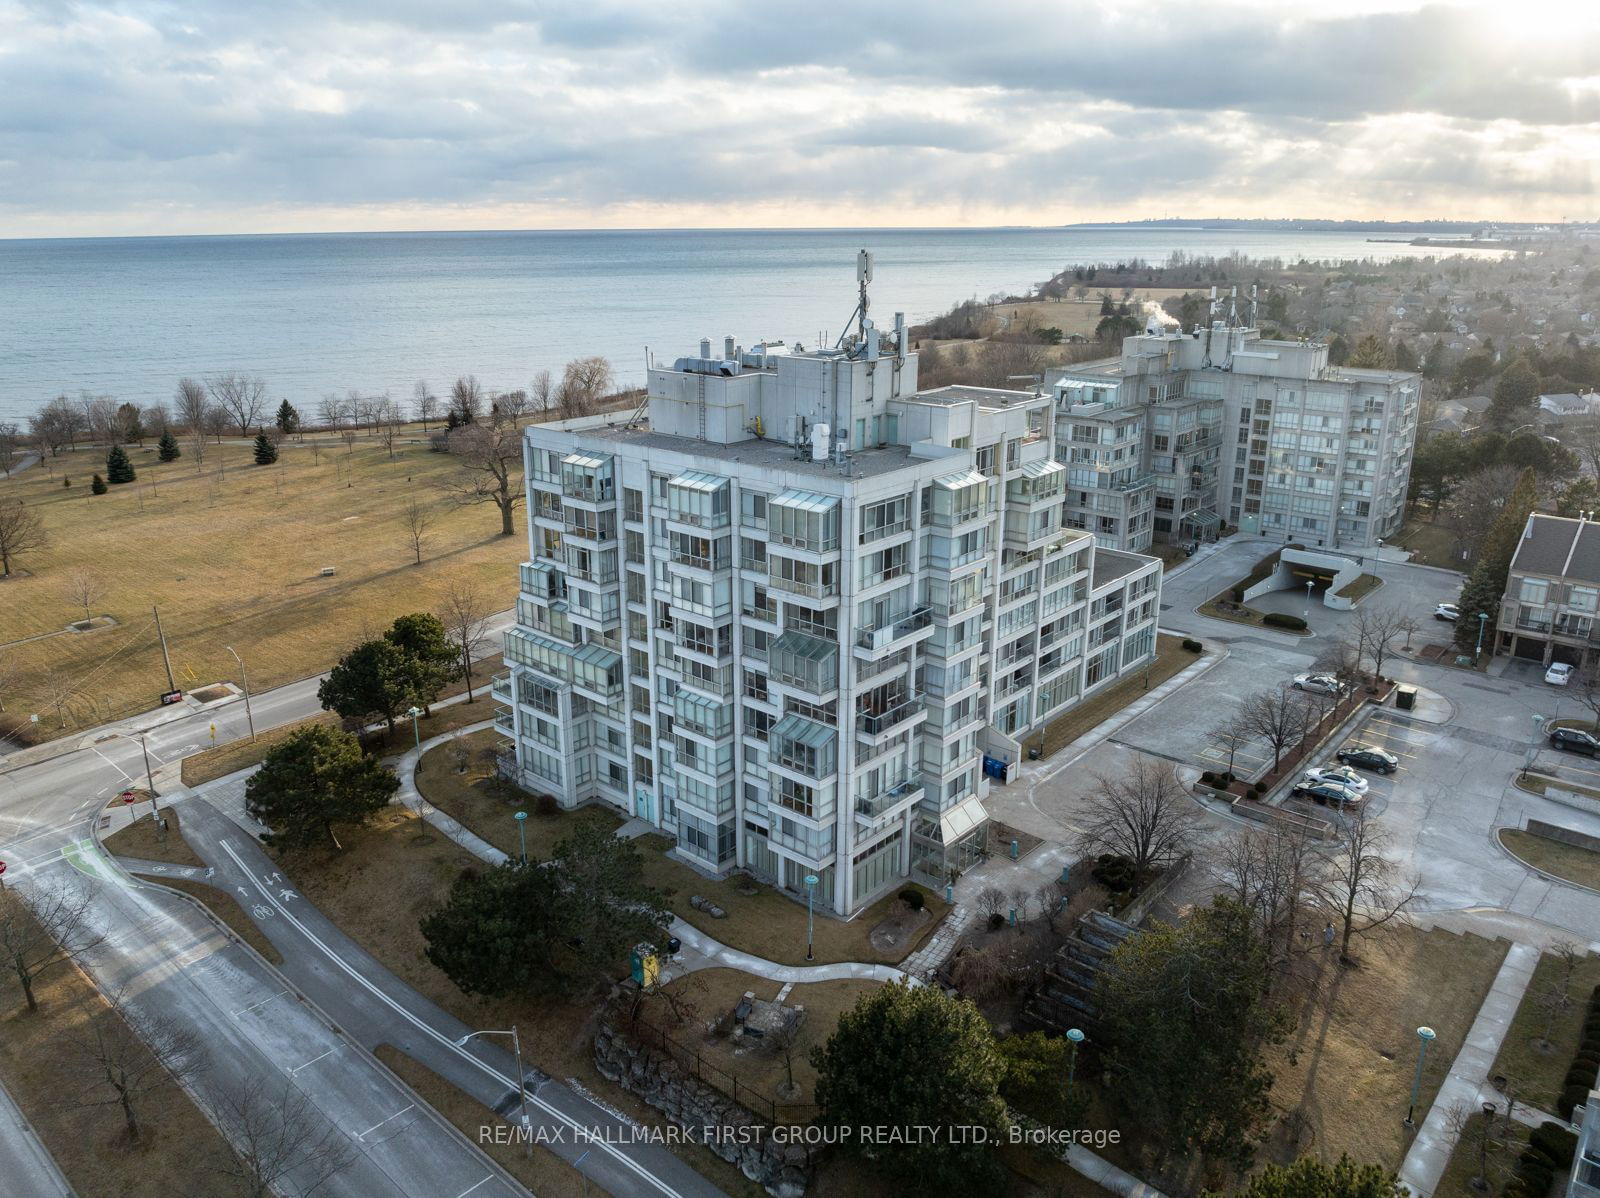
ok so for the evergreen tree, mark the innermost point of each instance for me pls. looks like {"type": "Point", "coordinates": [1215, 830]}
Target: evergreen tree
{"type": "Point", "coordinates": [288, 419]}
{"type": "Point", "coordinates": [315, 779]}
{"type": "Point", "coordinates": [119, 469]}
{"type": "Point", "coordinates": [167, 448]}
{"type": "Point", "coordinates": [906, 1056]}
{"type": "Point", "coordinates": [433, 658]}
{"type": "Point", "coordinates": [451, 420]}
{"type": "Point", "coordinates": [266, 452]}
{"type": "Point", "coordinates": [376, 678]}
{"type": "Point", "coordinates": [1370, 354]}
{"type": "Point", "coordinates": [1404, 358]}
{"type": "Point", "coordinates": [66, 481]}
{"type": "Point", "coordinates": [1485, 586]}
{"type": "Point", "coordinates": [98, 485]}
{"type": "Point", "coordinates": [1514, 394]}
{"type": "Point", "coordinates": [1310, 1177]}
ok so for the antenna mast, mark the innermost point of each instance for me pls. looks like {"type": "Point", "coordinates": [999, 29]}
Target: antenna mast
{"type": "Point", "coordinates": [863, 277]}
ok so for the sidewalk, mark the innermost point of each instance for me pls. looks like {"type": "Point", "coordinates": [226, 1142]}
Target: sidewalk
{"type": "Point", "coordinates": [1430, 1151]}
{"type": "Point", "coordinates": [25, 1163]}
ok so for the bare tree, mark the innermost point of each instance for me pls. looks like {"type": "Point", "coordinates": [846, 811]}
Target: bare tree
{"type": "Point", "coordinates": [1583, 438]}
{"type": "Point", "coordinates": [465, 614]}
{"type": "Point", "coordinates": [21, 531]}
{"type": "Point", "coordinates": [1021, 895]}
{"type": "Point", "coordinates": [56, 688]}
{"type": "Point", "coordinates": [512, 406]}
{"type": "Point", "coordinates": [1271, 870]}
{"type": "Point", "coordinates": [1374, 631]}
{"type": "Point", "coordinates": [583, 383]}
{"type": "Point", "coordinates": [1144, 816]}
{"type": "Point", "coordinates": [785, 1044]}
{"type": "Point", "coordinates": [189, 407]}
{"type": "Point", "coordinates": [1277, 717]}
{"type": "Point", "coordinates": [1476, 505]}
{"type": "Point", "coordinates": [1050, 896]}
{"type": "Point", "coordinates": [243, 397]}
{"type": "Point", "coordinates": [50, 927]}
{"type": "Point", "coordinates": [491, 457]}
{"type": "Point", "coordinates": [84, 589]}
{"type": "Point", "coordinates": [425, 403]}
{"type": "Point", "coordinates": [418, 520]}
{"type": "Point", "coordinates": [991, 901]}
{"type": "Point", "coordinates": [217, 421]}
{"type": "Point", "coordinates": [331, 411]}
{"type": "Point", "coordinates": [99, 416]}
{"type": "Point", "coordinates": [1341, 659]}
{"type": "Point", "coordinates": [274, 1133]}
{"type": "Point", "coordinates": [118, 1065]}
{"type": "Point", "coordinates": [386, 417]}
{"type": "Point", "coordinates": [1232, 734]}
{"type": "Point", "coordinates": [466, 399]}
{"type": "Point", "coordinates": [1360, 886]}
{"type": "Point", "coordinates": [541, 392]}
{"type": "Point", "coordinates": [10, 441]}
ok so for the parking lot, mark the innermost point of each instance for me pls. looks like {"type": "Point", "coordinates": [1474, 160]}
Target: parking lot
{"type": "Point", "coordinates": [1380, 728]}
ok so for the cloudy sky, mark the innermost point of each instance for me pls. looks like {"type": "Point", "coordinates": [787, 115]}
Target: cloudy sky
{"type": "Point", "coordinates": [169, 116]}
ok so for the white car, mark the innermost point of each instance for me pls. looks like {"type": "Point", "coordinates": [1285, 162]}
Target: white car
{"type": "Point", "coordinates": [1447, 611]}
{"type": "Point", "coordinates": [1321, 684]}
{"type": "Point", "coordinates": [1338, 775]}
{"type": "Point", "coordinates": [1559, 674]}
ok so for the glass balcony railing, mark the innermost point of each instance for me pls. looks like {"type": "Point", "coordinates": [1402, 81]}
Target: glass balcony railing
{"type": "Point", "coordinates": [885, 800]}
{"type": "Point", "coordinates": [889, 634]}
{"type": "Point", "coordinates": [877, 723]}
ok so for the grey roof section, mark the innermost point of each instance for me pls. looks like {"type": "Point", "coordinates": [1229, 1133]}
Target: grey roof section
{"type": "Point", "coordinates": [1559, 547]}
{"type": "Point", "coordinates": [773, 455]}
{"type": "Point", "coordinates": [985, 397]}
{"type": "Point", "coordinates": [1112, 564]}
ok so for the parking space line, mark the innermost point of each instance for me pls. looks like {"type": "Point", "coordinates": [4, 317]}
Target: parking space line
{"type": "Point", "coordinates": [306, 1064]}
{"type": "Point", "coordinates": [474, 1186]}
{"type": "Point", "coordinates": [255, 1005]}
{"type": "Point", "coordinates": [409, 1106]}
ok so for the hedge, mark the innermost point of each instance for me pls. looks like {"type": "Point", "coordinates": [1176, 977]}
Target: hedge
{"type": "Point", "coordinates": [1571, 1096]}
{"type": "Point", "coordinates": [1278, 619]}
{"type": "Point", "coordinates": [1556, 1142]}
{"type": "Point", "coordinates": [1192, 645]}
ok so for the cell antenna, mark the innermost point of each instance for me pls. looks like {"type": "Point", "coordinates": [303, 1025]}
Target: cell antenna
{"type": "Point", "coordinates": [863, 277]}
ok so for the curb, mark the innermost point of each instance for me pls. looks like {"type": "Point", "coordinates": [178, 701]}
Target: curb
{"type": "Point", "coordinates": [1555, 879]}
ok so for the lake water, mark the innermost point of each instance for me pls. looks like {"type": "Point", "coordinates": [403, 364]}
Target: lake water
{"type": "Point", "coordinates": [319, 314]}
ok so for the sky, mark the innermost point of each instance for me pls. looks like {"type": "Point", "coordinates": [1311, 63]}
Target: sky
{"type": "Point", "coordinates": [169, 116]}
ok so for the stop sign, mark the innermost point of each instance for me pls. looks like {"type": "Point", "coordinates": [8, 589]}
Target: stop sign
{"type": "Point", "coordinates": [127, 796]}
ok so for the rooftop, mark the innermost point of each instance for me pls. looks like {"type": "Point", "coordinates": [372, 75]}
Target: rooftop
{"type": "Point", "coordinates": [986, 397]}
{"type": "Point", "coordinates": [1560, 547]}
{"type": "Point", "coordinates": [1112, 564]}
{"type": "Point", "coordinates": [765, 453]}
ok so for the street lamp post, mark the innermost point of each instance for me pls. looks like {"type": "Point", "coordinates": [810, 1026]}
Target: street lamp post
{"type": "Point", "coordinates": [150, 783]}
{"type": "Point", "coordinates": [1483, 621]}
{"type": "Point", "coordinates": [244, 678]}
{"type": "Point", "coordinates": [522, 837]}
{"type": "Point", "coordinates": [1309, 583]}
{"type": "Point", "coordinates": [416, 736]}
{"type": "Point", "coordinates": [522, 1089]}
{"type": "Point", "coordinates": [1076, 1037]}
{"type": "Point", "coordinates": [1533, 749]}
{"type": "Point", "coordinates": [811, 890]}
{"type": "Point", "coordinates": [1424, 1035]}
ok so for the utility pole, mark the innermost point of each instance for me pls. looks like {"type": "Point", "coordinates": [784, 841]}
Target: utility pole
{"type": "Point", "coordinates": [172, 684]}
{"type": "Point", "coordinates": [244, 676]}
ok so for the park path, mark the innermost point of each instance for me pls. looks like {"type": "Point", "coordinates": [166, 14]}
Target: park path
{"type": "Point", "coordinates": [1430, 1151]}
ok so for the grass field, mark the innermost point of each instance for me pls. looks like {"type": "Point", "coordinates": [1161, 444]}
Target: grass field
{"type": "Point", "coordinates": [1568, 861]}
{"type": "Point", "coordinates": [232, 555]}
{"type": "Point", "coordinates": [1171, 657]}
{"type": "Point", "coordinates": [1344, 1075]}
{"type": "Point", "coordinates": [1430, 544]}
{"type": "Point", "coordinates": [1534, 1072]}
{"type": "Point", "coordinates": [178, 1148]}
{"type": "Point", "coordinates": [1499, 1156]}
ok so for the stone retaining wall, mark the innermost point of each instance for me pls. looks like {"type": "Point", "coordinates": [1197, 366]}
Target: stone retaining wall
{"type": "Point", "coordinates": [1564, 835]}
{"type": "Point", "coordinates": [725, 1127]}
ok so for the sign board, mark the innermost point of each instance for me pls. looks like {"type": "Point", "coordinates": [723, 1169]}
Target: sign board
{"type": "Point", "coordinates": [170, 697]}
{"type": "Point", "coordinates": [127, 796]}
{"type": "Point", "coordinates": [2, 867]}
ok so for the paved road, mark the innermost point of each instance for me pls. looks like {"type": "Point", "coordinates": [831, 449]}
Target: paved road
{"type": "Point", "coordinates": [368, 1002]}
{"type": "Point", "coordinates": [180, 963]}
{"type": "Point", "coordinates": [28, 1169]}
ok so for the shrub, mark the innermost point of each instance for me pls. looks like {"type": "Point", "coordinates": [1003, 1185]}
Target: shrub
{"type": "Point", "coordinates": [1555, 1141]}
{"type": "Point", "coordinates": [1257, 790]}
{"type": "Point", "coordinates": [98, 485]}
{"type": "Point", "coordinates": [1278, 619]}
{"type": "Point", "coordinates": [1580, 1075]}
{"type": "Point", "coordinates": [1238, 594]}
{"type": "Point", "coordinates": [1589, 1060]}
{"type": "Point", "coordinates": [1208, 779]}
{"type": "Point", "coordinates": [546, 805]}
{"type": "Point", "coordinates": [1192, 645]}
{"type": "Point", "coordinates": [1571, 1096]}
{"type": "Point", "coordinates": [1113, 872]}
{"type": "Point", "coordinates": [1534, 1168]}
{"type": "Point", "coordinates": [996, 922]}
{"type": "Point", "coordinates": [912, 898]}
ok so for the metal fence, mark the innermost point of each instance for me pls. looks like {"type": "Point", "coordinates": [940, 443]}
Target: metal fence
{"type": "Point", "coordinates": [694, 1062]}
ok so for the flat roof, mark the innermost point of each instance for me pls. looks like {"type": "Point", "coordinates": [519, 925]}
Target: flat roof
{"type": "Point", "coordinates": [773, 455]}
{"type": "Point", "coordinates": [985, 397]}
{"type": "Point", "coordinates": [1112, 564]}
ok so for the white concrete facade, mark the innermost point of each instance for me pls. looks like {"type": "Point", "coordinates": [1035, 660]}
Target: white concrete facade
{"type": "Point", "coordinates": [792, 650]}
{"type": "Point", "coordinates": [1262, 435]}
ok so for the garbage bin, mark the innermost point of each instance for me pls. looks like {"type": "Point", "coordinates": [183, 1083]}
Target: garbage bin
{"type": "Point", "coordinates": [1405, 697]}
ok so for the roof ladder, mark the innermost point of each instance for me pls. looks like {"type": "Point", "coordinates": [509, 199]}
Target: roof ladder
{"type": "Point", "coordinates": [700, 389]}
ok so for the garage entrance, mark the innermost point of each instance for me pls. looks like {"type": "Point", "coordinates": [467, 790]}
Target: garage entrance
{"type": "Point", "coordinates": [1529, 648]}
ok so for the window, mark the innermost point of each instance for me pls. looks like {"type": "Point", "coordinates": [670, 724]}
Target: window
{"type": "Point", "coordinates": [1535, 591]}
{"type": "Point", "coordinates": [885, 518]}
{"type": "Point", "coordinates": [753, 508]}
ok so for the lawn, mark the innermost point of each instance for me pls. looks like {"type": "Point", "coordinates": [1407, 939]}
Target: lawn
{"type": "Point", "coordinates": [1581, 866]}
{"type": "Point", "coordinates": [1534, 1073]}
{"type": "Point", "coordinates": [1360, 588]}
{"type": "Point", "coordinates": [762, 920]}
{"type": "Point", "coordinates": [1171, 657]}
{"type": "Point", "coordinates": [1430, 544]}
{"type": "Point", "coordinates": [478, 800]}
{"type": "Point", "coordinates": [1506, 1142]}
{"type": "Point", "coordinates": [179, 1146]}
{"type": "Point", "coordinates": [232, 557]}
{"type": "Point", "coordinates": [713, 994]}
{"type": "Point", "coordinates": [379, 888]}
{"type": "Point", "coordinates": [1344, 1075]}
{"type": "Point", "coordinates": [1537, 784]}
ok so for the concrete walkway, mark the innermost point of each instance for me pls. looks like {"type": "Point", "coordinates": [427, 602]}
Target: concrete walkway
{"type": "Point", "coordinates": [1430, 1151]}
{"type": "Point", "coordinates": [25, 1163]}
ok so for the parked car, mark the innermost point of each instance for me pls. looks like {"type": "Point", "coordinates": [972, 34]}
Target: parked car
{"type": "Point", "coordinates": [1338, 775]}
{"type": "Point", "coordinates": [1369, 757]}
{"type": "Point", "coordinates": [1575, 740]}
{"type": "Point", "coordinates": [1328, 792]}
{"type": "Point", "coordinates": [1447, 611]}
{"type": "Point", "coordinates": [1558, 674]}
{"type": "Point", "coordinates": [1321, 684]}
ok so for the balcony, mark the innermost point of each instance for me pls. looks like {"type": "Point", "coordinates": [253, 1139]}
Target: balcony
{"type": "Point", "coordinates": [869, 811]}
{"type": "Point", "coordinates": [891, 636]}
{"type": "Point", "coordinates": [500, 687]}
{"type": "Point", "coordinates": [876, 724]}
